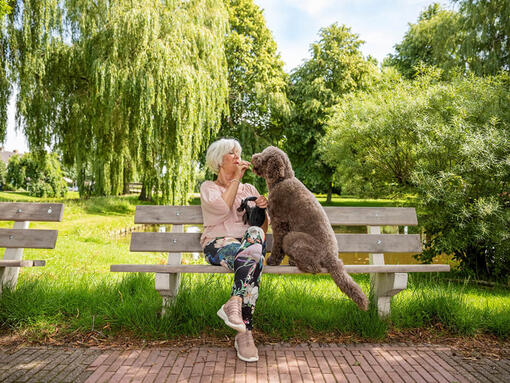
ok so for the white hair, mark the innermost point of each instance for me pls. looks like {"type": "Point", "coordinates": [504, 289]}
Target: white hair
{"type": "Point", "coordinates": [217, 150]}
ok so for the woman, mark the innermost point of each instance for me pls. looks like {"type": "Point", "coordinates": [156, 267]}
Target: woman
{"type": "Point", "coordinates": [228, 242]}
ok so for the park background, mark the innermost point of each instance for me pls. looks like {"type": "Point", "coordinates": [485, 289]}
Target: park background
{"type": "Point", "coordinates": [111, 94]}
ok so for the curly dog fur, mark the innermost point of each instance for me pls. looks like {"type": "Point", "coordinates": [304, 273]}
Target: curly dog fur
{"type": "Point", "coordinates": [301, 228]}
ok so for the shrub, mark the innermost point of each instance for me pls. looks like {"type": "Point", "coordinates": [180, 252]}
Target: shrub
{"type": "Point", "coordinates": [449, 143]}
{"type": "Point", "coordinates": [41, 177]}
{"type": "Point", "coordinates": [3, 174]}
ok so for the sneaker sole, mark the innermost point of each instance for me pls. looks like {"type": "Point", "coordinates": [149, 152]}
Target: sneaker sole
{"type": "Point", "coordinates": [223, 315]}
{"type": "Point", "coordinates": [252, 359]}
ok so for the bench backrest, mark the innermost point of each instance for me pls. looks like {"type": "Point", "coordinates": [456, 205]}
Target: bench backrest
{"type": "Point", "coordinates": [178, 241]}
{"type": "Point", "coordinates": [24, 212]}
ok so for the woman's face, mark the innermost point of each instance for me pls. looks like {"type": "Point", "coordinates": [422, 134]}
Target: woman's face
{"type": "Point", "coordinates": [231, 160]}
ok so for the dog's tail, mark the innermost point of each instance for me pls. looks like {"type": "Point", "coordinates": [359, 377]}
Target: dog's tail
{"type": "Point", "coordinates": [347, 284]}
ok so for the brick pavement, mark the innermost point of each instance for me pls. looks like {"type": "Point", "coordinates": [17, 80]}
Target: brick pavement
{"type": "Point", "coordinates": [278, 363]}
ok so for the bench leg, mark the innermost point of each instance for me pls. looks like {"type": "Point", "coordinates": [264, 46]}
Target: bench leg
{"type": "Point", "coordinates": [383, 287]}
{"type": "Point", "coordinates": [167, 285]}
{"type": "Point", "coordinates": [9, 275]}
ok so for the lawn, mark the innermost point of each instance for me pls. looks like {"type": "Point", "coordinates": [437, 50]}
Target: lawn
{"type": "Point", "coordinates": [75, 295]}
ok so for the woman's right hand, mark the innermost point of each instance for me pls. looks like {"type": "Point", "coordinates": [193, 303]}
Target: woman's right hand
{"type": "Point", "coordinates": [241, 169]}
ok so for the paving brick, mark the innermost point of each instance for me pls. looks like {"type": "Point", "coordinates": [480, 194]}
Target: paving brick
{"type": "Point", "coordinates": [149, 378]}
{"type": "Point", "coordinates": [281, 363]}
{"type": "Point", "coordinates": [97, 374]}
{"type": "Point", "coordinates": [119, 374]}
{"type": "Point", "coordinates": [162, 375]}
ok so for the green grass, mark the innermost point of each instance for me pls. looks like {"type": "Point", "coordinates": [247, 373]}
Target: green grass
{"type": "Point", "coordinates": [76, 294]}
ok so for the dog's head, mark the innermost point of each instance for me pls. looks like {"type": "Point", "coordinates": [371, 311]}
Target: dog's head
{"type": "Point", "coordinates": [272, 164]}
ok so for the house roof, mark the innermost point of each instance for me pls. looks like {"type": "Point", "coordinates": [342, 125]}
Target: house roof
{"type": "Point", "coordinates": [4, 155]}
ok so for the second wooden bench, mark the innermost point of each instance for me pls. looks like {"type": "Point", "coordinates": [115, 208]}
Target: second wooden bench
{"type": "Point", "coordinates": [21, 237]}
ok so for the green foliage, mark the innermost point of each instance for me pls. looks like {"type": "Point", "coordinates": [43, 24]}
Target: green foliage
{"type": "Point", "coordinates": [121, 86]}
{"type": "Point", "coordinates": [5, 9]}
{"type": "Point", "coordinates": [40, 177]}
{"type": "Point", "coordinates": [3, 174]}
{"type": "Point", "coordinates": [5, 88]}
{"type": "Point", "coordinates": [487, 35]}
{"type": "Point", "coordinates": [434, 41]}
{"type": "Point", "coordinates": [474, 38]}
{"type": "Point", "coordinates": [257, 83]}
{"type": "Point", "coordinates": [447, 142]}
{"type": "Point", "coordinates": [336, 68]}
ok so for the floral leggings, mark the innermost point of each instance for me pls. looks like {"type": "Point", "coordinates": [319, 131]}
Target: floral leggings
{"type": "Point", "coordinates": [245, 257]}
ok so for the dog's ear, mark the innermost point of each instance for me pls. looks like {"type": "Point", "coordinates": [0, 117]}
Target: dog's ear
{"type": "Point", "coordinates": [276, 168]}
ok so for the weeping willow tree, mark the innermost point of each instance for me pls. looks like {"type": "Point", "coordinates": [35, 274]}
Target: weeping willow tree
{"type": "Point", "coordinates": [121, 87]}
{"type": "Point", "coordinates": [4, 82]}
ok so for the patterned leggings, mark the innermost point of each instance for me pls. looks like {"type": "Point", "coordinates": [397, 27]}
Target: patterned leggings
{"type": "Point", "coordinates": [245, 257]}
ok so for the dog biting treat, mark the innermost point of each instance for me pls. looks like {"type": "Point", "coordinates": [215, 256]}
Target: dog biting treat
{"type": "Point", "coordinates": [301, 228]}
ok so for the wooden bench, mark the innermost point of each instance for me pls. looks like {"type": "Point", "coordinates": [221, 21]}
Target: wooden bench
{"type": "Point", "coordinates": [20, 237]}
{"type": "Point", "coordinates": [386, 280]}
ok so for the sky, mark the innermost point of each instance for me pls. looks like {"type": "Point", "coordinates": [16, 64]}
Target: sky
{"type": "Point", "coordinates": [295, 25]}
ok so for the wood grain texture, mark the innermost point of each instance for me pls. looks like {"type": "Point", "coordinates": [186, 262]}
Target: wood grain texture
{"type": "Point", "coordinates": [30, 211]}
{"type": "Point", "coordinates": [359, 243]}
{"type": "Point", "coordinates": [28, 239]}
{"type": "Point", "coordinates": [338, 215]}
{"type": "Point", "coordinates": [278, 269]}
{"type": "Point", "coordinates": [22, 263]}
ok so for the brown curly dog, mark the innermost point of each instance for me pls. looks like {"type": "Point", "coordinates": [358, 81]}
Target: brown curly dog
{"type": "Point", "coordinates": [301, 228]}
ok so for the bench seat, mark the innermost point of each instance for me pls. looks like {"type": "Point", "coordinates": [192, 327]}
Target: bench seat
{"type": "Point", "coordinates": [385, 280]}
{"type": "Point", "coordinates": [22, 263]}
{"type": "Point", "coordinates": [352, 269]}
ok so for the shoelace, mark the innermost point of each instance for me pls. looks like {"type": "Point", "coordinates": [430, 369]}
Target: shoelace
{"type": "Point", "coordinates": [235, 309]}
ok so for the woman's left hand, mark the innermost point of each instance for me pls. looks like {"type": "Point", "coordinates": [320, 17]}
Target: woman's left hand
{"type": "Point", "coordinates": [261, 202]}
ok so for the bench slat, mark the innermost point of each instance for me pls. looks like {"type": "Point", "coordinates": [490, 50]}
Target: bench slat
{"type": "Point", "coordinates": [22, 263]}
{"type": "Point", "coordinates": [278, 269]}
{"type": "Point", "coordinates": [28, 239]}
{"type": "Point", "coordinates": [30, 211]}
{"type": "Point", "coordinates": [351, 243]}
{"type": "Point", "coordinates": [153, 214]}
{"type": "Point", "coordinates": [349, 216]}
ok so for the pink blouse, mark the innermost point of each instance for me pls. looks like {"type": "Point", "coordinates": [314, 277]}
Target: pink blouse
{"type": "Point", "coordinates": [219, 220]}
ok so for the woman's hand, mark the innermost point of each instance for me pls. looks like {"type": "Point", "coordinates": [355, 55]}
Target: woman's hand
{"type": "Point", "coordinates": [261, 202]}
{"type": "Point", "coordinates": [241, 168]}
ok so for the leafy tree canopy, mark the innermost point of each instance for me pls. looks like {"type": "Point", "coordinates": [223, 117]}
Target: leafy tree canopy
{"type": "Point", "coordinates": [257, 83]}
{"type": "Point", "coordinates": [446, 142]}
{"type": "Point", "coordinates": [475, 38]}
{"type": "Point", "coordinates": [121, 86]}
{"type": "Point", "coordinates": [486, 43]}
{"type": "Point", "coordinates": [4, 8]}
{"type": "Point", "coordinates": [336, 68]}
{"type": "Point", "coordinates": [41, 177]}
{"type": "Point", "coordinates": [434, 40]}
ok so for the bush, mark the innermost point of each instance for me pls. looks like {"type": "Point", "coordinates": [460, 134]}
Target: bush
{"type": "Point", "coordinates": [449, 143]}
{"type": "Point", "coordinates": [41, 177]}
{"type": "Point", "coordinates": [3, 174]}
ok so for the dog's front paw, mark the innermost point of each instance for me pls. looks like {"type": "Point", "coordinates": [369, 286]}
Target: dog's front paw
{"type": "Point", "coordinates": [272, 261]}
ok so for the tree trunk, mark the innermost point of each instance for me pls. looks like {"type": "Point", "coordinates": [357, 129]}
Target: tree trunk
{"type": "Point", "coordinates": [330, 192]}
{"type": "Point", "coordinates": [146, 193]}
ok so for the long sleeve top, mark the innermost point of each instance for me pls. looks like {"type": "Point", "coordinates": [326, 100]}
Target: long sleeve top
{"type": "Point", "coordinates": [219, 220]}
